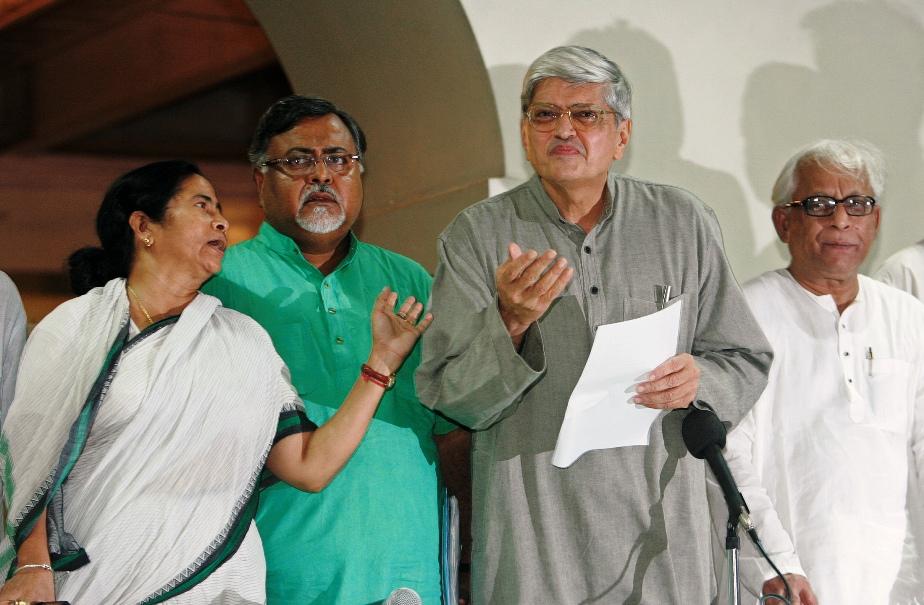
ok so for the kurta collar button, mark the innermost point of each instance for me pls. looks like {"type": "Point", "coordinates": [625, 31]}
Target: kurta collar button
{"type": "Point", "coordinates": [594, 289]}
{"type": "Point", "coordinates": [846, 353]}
{"type": "Point", "coordinates": [339, 340]}
{"type": "Point", "coordinates": [587, 249]}
{"type": "Point", "coordinates": [332, 310]}
{"type": "Point", "coordinates": [327, 284]}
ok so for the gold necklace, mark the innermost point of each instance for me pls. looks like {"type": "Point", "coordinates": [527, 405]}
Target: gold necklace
{"type": "Point", "coordinates": [140, 304]}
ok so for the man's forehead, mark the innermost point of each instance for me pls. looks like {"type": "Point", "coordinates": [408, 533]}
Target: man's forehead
{"type": "Point", "coordinates": [820, 177]}
{"type": "Point", "coordinates": [321, 133]}
{"type": "Point", "coordinates": [553, 90]}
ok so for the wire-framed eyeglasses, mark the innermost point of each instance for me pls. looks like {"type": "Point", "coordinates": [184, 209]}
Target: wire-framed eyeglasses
{"type": "Point", "coordinates": [303, 165]}
{"type": "Point", "coordinates": [824, 205]}
{"type": "Point", "coordinates": [545, 118]}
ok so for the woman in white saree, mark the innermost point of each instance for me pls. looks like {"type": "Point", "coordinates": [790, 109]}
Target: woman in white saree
{"type": "Point", "coordinates": [146, 415]}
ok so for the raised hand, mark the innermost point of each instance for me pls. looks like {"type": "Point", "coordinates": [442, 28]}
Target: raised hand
{"type": "Point", "coordinates": [395, 333]}
{"type": "Point", "coordinates": [671, 385]}
{"type": "Point", "coordinates": [527, 283]}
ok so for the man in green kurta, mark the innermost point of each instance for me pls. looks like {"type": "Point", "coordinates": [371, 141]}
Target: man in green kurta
{"type": "Point", "coordinates": [524, 280]}
{"type": "Point", "coordinates": [311, 283]}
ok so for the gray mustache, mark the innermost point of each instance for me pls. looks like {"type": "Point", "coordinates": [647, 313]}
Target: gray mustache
{"type": "Point", "coordinates": [319, 188]}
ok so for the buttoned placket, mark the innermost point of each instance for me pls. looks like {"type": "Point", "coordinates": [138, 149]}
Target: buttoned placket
{"type": "Point", "coordinates": [851, 360]}
{"type": "Point", "coordinates": [329, 293]}
{"type": "Point", "coordinates": [587, 268]}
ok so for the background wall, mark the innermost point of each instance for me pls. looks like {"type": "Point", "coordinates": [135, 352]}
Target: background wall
{"type": "Point", "coordinates": [725, 92]}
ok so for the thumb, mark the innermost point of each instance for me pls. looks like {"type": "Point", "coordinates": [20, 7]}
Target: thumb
{"type": "Point", "coordinates": [514, 250]}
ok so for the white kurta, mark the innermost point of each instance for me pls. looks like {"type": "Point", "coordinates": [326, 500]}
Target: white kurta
{"type": "Point", "coordinates": [824, 456]}
{"type": "Point", "coordinates": [905, 270]}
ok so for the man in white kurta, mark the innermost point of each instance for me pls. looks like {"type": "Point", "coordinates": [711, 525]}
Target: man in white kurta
{"type": "Point", "coordinates": [905, 270]}
{"type": "Point", "coordinates": [825, 456]}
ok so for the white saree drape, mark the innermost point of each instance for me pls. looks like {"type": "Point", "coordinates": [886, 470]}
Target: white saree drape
{"type": "Point", "coordinates": [152, 477]}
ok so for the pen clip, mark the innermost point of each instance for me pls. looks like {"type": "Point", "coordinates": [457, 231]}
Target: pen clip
{"type": "Point", "coordinates": [662, 294]}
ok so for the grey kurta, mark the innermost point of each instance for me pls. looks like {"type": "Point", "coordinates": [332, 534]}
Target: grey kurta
{"type": "Point", "coordinates": [626, 525]}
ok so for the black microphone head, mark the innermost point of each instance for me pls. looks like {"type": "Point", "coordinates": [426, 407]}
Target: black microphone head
{"type": "Point", "coordinates": [700, 429]}
{"type": "Point", "coordinates": [403, 596]}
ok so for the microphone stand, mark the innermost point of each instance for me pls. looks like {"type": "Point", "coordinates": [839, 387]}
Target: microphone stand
{"type": "Point", "coordinates": [732, 543]}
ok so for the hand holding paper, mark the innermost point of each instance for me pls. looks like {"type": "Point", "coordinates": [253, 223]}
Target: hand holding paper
{"type": "Point", "coordinates": [601, 411]}
{"type": "Point", "coordinates": [671, 385]}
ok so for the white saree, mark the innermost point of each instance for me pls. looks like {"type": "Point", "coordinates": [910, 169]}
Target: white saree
{"type": "Point", "coordinates": [147, 451]}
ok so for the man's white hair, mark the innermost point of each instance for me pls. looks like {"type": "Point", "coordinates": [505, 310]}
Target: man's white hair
{"type": "Point", "coordinates": [856, 158]}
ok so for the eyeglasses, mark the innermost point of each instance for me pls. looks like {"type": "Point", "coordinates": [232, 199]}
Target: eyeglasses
{"type": "Point", "coordinates": [303, 165]}
{"type": "Point", "coordinates": [823, 205]}
{"type": "Point", "coordinates": [544, 118]}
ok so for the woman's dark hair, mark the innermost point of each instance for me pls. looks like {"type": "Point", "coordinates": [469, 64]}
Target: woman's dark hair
{"type": "Point", "coordinates": [148, 189]}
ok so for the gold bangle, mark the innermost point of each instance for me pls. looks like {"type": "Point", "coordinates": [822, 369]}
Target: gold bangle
{"type": "Point", "coordinates": [44, 566]}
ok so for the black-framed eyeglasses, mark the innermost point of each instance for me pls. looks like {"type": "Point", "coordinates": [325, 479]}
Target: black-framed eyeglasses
{"type": "Point", "coordinates": [824, 205]}
{"type": "Point", "coordinates": [303, 165]}
{"type": "Point", "coordinates": [544, 118]}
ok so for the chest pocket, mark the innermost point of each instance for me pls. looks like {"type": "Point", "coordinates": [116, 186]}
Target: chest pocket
{"type": "Point", "coordinates": [633, 308]}
{"type": "Point", "coordinates": [890, 393]}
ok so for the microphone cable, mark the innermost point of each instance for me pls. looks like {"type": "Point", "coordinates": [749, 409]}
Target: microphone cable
{"type": "Point", "coordinates": [752, 534]}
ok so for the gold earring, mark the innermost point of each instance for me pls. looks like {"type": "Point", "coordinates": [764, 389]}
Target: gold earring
{"type": "Point", "coordinates": [147, 242]}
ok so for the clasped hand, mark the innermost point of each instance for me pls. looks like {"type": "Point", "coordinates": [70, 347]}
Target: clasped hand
{"type": "Point", "coordinates": [395, 333]}
{"type": "Point", "coordinates": [527, 283]}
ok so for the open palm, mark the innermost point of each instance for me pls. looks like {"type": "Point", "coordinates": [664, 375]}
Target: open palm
{"type": "Point", "coordinates": [394, 333]}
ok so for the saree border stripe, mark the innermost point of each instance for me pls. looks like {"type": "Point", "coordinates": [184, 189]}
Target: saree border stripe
{"type": "Point", "coordinates": [222, 547]}
{"type": "Point", "coordinates": [292, 422]}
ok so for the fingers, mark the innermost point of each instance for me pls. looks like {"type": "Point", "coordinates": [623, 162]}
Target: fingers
{"type": "Point", "coordinates": [673, 384]}
{"type": "Point", "coordinates": [407, 307]}
{"type": "Point", "coordinates": [386, 299]}
{"type": "Point", "coordinates": [514, 250]}
{"type": "Point", "coordinates": [532, 275]}
{"type": "Point", "coordinates": [424, 323]}
{"type": "Point", "coordinates": [409, 311]}
{"type": "Point", "coordinates": [512, 269]}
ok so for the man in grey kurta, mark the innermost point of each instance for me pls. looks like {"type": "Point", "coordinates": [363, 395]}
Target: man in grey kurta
{"type": "Point", "coordinates": [513, 331]}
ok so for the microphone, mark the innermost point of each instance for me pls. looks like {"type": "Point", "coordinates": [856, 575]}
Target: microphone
{"type": "Point", "coordinates": [704, 435]}
{"type": "Point", "coordinates": [403, 596]}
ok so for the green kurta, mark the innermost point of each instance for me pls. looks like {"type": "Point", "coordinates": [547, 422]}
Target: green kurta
{"type": "Point", "coordinates": [376, 526]}
{"type": "Point", "coordinates": [623, 525]}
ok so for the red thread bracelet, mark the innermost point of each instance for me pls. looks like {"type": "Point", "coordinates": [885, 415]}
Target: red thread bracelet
{"type": "Point", "coordinates": [386, 381]}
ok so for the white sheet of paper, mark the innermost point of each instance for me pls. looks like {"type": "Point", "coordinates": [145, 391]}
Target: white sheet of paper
{"type": "Point", "coordinates": [600, 412]}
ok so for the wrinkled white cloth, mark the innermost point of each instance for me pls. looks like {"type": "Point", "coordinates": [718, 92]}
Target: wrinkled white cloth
{"type": "Point", "coordinates": [12, 339]}
{"type": "Point", "coordinates": [825, 455]}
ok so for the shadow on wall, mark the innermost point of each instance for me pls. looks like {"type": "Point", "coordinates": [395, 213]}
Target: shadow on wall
{"type": "Point", "coordinates": [657, 135]}
{"type": "Point", "coordinates": [868, 84]}
{"type": "Point", "coordinates": [506, 82]}
{"type": "Point", "coordinates": [654, 150]}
